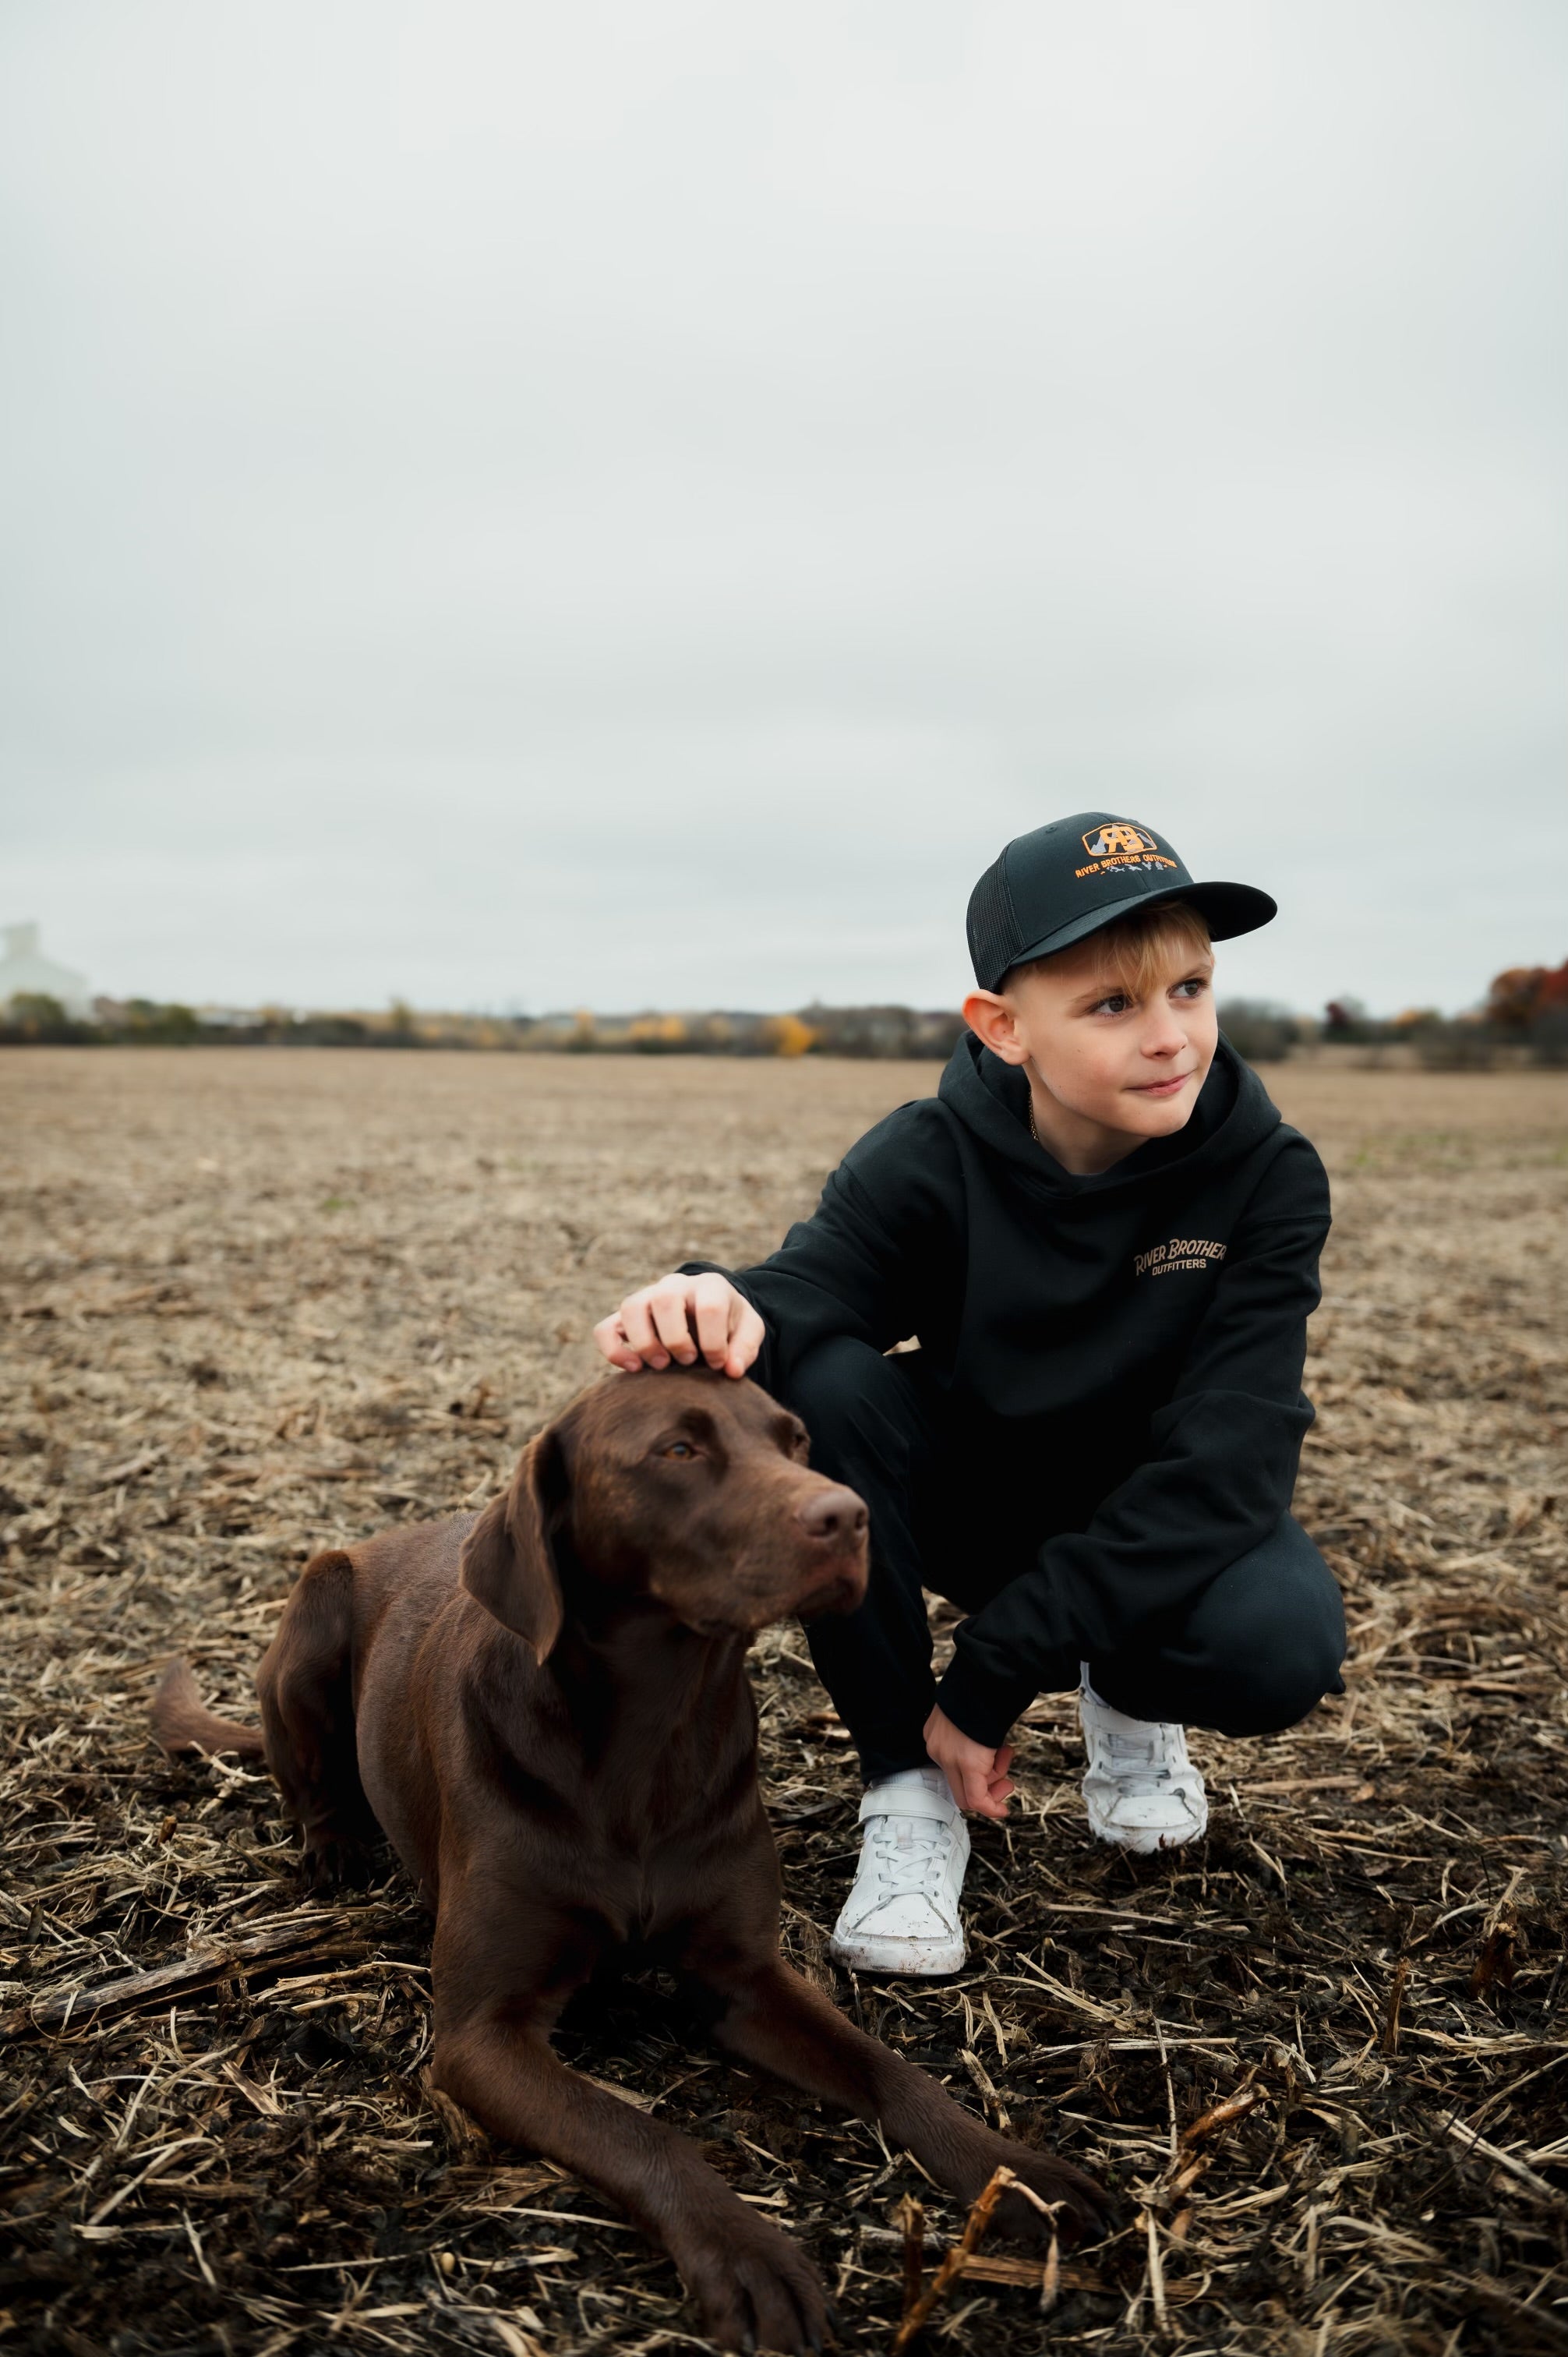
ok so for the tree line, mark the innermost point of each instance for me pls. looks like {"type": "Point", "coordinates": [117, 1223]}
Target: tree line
{"type": "Point", "coordinates": [1526, 1009]}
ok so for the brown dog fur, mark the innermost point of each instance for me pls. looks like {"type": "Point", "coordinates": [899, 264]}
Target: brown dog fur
{"type": "Point", "coordinates": [545, 1708]}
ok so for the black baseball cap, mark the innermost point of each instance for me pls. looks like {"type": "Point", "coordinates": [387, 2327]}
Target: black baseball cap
{"type": "Point", "coordinates": [1063, 882]}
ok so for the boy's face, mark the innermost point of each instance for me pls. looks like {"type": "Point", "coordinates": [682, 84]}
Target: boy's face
{"type": "Point", "coordinates": [1110, 1067]}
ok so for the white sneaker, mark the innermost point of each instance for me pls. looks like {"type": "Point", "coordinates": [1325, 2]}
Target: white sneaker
{"type": "Point", "coordinates": [901, 1915]}
{"type": "Point", "coordinates": [1143, 1792]}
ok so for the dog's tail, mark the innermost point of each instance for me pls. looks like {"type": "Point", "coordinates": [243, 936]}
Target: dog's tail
{"type": "Point", "coordinates": [182, 1723]}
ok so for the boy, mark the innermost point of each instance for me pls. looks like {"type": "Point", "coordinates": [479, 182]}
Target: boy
{"type": "Point", "coordinates": [1106, 1242]}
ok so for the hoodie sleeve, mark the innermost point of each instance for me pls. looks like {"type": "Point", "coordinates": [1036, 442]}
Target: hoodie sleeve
{"type": "Point", "coordinates": [865, 1263]}
{"type": "Point", "coordinates": [1219, 1474]}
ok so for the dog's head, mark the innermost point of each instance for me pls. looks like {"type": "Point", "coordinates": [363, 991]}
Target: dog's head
{"type": "Point", "coordinates": [686, 1487]}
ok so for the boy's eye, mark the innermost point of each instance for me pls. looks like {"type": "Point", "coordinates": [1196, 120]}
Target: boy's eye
{"type": "Point", "coordinates": [1115, 1005]}
{"type": "Point", "coordinates": [1193, 987]}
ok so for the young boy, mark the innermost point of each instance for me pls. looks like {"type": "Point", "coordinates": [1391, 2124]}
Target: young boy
{"type": "Point", "coordinates": [1105, 1240]}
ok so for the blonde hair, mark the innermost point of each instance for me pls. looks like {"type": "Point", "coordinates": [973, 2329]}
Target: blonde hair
{"type": "Point", "coordinates": [1138, 952]}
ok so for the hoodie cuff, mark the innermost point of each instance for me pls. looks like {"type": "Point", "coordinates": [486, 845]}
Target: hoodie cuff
{"type": "Point", "coordinates": [980, 1706]}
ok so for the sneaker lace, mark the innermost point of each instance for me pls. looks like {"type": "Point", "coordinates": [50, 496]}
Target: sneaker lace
{"type": "Point", "coordinates": [910, 1852]}
{"type": "Point", "coordinates": [1139, 1764]}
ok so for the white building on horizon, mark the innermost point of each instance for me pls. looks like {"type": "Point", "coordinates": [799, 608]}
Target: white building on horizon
{"type": "Point", "coordinates": [25, 968]}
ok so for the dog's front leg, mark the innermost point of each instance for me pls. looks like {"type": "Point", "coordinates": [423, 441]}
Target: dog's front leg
{"type": "Point", "coordinates": [773, 2016]}
{"type": "Point", "coordinates": [501, 1977]}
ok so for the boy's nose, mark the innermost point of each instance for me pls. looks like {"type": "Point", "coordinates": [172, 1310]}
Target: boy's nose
{"type": "Point", "coordinates": [1165, 1036]}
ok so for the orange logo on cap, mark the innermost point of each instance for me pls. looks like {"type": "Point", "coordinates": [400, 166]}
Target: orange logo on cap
{"type": "Point", "coordinates": [1107, 842]}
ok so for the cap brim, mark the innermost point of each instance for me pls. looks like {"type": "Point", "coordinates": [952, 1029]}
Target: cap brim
{"type": "Point", "coordinates": [1227, 909]}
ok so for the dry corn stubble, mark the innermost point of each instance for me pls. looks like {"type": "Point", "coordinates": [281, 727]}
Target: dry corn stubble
{"type": "Point", "coordinates": [260, 1302]}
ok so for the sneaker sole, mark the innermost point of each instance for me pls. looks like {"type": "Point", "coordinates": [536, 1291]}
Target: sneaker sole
{"type": "Point", "coordinates": [920, 1959]}
{"type": "Point", "coordinates": [1146, 1841]}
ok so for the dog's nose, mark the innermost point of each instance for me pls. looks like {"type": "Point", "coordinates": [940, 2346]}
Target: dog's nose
{"type": "Point", "coordinates": [834, 1516]}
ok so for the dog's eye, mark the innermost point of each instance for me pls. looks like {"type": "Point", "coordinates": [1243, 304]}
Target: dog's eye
{"type": "Point", "coordinates": [678, 1448]}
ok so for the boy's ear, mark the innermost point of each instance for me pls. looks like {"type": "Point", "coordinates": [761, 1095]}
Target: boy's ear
{"type": "Point", "coordinates": [990, 1019]}
{"type": "Point", "coordinates": [506, 1561]}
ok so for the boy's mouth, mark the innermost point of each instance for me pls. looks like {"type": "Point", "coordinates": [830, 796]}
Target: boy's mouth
{"type": "Point", "coordinates": [1166, 1088]}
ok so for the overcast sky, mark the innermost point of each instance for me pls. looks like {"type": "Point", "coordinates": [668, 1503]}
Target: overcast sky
{"type": "Point", "coordinates": [529, 505]}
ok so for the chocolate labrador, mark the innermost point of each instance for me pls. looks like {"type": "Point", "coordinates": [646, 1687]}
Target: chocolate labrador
{"type": "Point", "coordinates": [545, 1708]}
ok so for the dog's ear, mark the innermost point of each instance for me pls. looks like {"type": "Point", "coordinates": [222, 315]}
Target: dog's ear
{"type": "Point", "coordinates": [507, 1560]}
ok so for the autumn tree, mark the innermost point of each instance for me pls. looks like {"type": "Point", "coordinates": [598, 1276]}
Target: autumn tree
{"type": "Point", "coordinates": [1519, 996]}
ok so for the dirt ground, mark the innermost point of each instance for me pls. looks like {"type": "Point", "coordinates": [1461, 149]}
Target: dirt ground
{"type": "Point", "coordinates": [260, 1301]}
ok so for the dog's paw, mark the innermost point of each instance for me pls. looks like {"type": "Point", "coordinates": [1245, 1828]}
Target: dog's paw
{"type": "Point", "coordinates": [331, 1864]}
{"type": "Point", "coordinates": [1081, 2210]}
{"type": "Point", "coordinates": [755, 2289]}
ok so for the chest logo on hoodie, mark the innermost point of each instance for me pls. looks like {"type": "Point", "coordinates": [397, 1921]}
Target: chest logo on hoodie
{"type": "Point", "coordinates": [1193, 1253]}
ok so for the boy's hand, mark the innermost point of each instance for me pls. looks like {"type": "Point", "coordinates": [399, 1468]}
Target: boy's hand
{"type": "Point", "coordinates": [977, 1775]}
{"type": "Point", "coordinates": [684, 1318]}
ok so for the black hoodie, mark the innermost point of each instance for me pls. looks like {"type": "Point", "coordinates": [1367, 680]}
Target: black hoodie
{"type": "Point", "coordinates": [1144, 1330]}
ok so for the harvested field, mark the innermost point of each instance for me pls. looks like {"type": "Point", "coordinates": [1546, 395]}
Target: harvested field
{"type": "Point", "coordinates": [257, 1302]}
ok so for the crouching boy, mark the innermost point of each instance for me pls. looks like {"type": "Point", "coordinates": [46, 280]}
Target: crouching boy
{"type": "Point", "coordinates": [1106, 1242]}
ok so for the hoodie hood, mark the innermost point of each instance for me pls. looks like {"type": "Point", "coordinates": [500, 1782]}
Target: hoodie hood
{"type": "Point", "coordinates": [1233, 1114]}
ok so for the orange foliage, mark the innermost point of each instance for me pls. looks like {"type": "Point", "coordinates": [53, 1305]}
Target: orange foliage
{"type": "Point", "coordinates": [1524, 992]}
{"type": "Point", "coordinates": [787, 1035]}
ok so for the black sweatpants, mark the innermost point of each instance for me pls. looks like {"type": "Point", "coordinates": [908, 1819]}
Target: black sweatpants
{"type": "Point", "coordinates": [962, 1511]}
